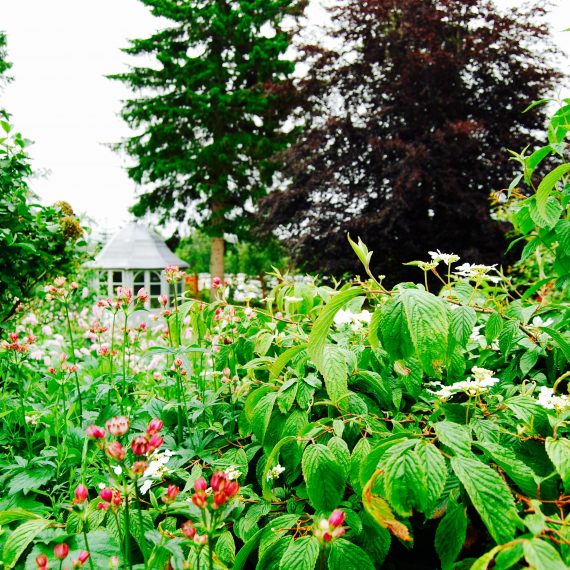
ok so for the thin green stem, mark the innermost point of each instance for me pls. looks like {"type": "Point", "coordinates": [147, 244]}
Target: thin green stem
{"type": "Point", "coordinates": [111, 358]}
{"type": "Point", "coordinates": [127, 528]}
{"type": "Point", "coordinates": [73, 360]}
{"type": "Point", "coordinates": [23, 412]}
{"type": "Point", "coordinates": [141, 525]}
{"type": "Point", "coordinates": [87, 546]}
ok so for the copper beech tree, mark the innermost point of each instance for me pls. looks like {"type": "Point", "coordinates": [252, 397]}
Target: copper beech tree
{"type": "Point", "coordinates": [409, 118]}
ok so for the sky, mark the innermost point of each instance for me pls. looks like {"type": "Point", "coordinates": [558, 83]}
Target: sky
{"type": "Point", "coordinates": [61, 51]}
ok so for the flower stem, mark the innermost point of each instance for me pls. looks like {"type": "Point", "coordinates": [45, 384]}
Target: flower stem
{"type": "Point", "coordinates": [73, 361]}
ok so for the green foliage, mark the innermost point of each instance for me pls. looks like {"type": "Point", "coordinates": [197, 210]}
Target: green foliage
{"type": "Point", "coordinates": [36, 242]}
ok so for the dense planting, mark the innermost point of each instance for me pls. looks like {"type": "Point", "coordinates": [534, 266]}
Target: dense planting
{"type": "Point", "coordinates": [348, 427]}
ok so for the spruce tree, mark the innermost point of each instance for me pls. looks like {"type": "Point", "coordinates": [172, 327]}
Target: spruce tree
{"type": "Point", "coordinates": [211, 101]}
{"type": "Point", "coordinates": [411, 113]}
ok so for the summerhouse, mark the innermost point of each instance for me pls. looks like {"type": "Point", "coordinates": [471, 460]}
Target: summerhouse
{"type": "Point", "coordinates": [135, 257]}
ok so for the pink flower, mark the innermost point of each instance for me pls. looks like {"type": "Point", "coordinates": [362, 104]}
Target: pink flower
{"type": "Point", "coordinates": [178, 362]}
{"type": "Point", "coordinates": [216, 283]}
{"type": "Point", "coordinates": [116, 451]}
{"type": "Point", "coordinates": [200, 484]}
{"type": "Point", "coordinates": [188, 529]}
{"type": "Point", "coordinates": [118, 425]}
{"type": "Point", "coordinates": [41, 561]}
{"type": "Point", "coordinates": [154, 442]}
{"type": "Point", "coordinates": [337, 518]}
{"type": "Point", "coordinates": [142, 295]}
{"type": "Point", "coordinates": [155, 426]}
{"type": "Point", "coordinates": [139, 445]}
{"type": "Point", "coordinates": [163, 300]}
{"type": "Point", "coordinates": [171, 494]}
{"type": "Point", "coordinates": [60, 551]}
{"type": "Point", "coordinates": [93, 431]}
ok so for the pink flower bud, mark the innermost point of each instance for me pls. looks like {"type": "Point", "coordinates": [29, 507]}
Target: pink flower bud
{"type": "Point", "coordinates": [188, 529]}
{"type": "Point", "coordinates": [163, 300]}
{"type": "Point", "coordinates": [171, 494]}
{"type": "Point", "coordinates": [226, 372]}
{"type": "Point", "coordinates": [73, 285]}
{"type": "Point", "coordinates": [118, 426]}
{"type": "Point", "coordinates": [81, 493]}
{"type": "Point", "coordinates": [41, 561]}
{"type": "Point", "coordinates": [199, 499]}
{"type": "Point", "coordinates": [95, 432]}
{"type": "Point", "coordinates": [116, 451]}
{"type": "Point", "coordinates": [200, 484]}
{"type": "Point", "coordinates": [139, 445]}
{"type": "Point", "coordinates": [200, 539]}
{"type": "Point", "coordinates": [178, 362]}
{"type": "Point", "coordinates": [217, 481]}
{"type": "Point", "coordinates": [83, 557]}
{"type": "Point", "coordinates": [139, 467]}
{"type": "Point", "coordinates": [106, 494]}
{"type": "Point", "coordinates": [142, 295]}
{"type": "Point", "coordinates": [60, 551]}
{"type": "Point", "coordinates": [13, 336]}
{"type": "Point", "coordinates": [337, 518]}
{"type": "Point", "coordinates": [155, 426]}
{"type": "Point", "coordinates": [154, 442]}
{"type": "Point", "coordinates": [216, 283]}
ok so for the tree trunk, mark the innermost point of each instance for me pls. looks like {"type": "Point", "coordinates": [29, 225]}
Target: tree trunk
{"type": "Point", "coordinates": [216, 263]}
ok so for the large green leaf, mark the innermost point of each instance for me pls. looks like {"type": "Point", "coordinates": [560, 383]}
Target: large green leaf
{"type": "Point", "coordinates": [320, 331]}
{"type": "Point", "coordinates": [450, 534]}
{"type": "Point", "coordinates": [546, 186]}
{"type": "Point", "coordinates": [302, 554]}
{"type": "Point", "coordinates": [541, 555]}
{"type": "Point", "coordinates": [393, 329]}
{"type": "Point", "coordinates": [490, 496]}
{"type": "Point", "coordinates": [262, 415]}
{"type": "Point", "coordinates": [335, 373]}
{"type": "Point", "coordinates": [455, 436]}
{"type": "Point", "coordinates": [462, 321]}
{"type": "Point", "coordinates": [558, 451]}
{"type": "Point", "coordinates": [21, 538]}
{"type": "Point", "coordinates": [434, 473]}
{"type": "Point", "coordinates": [344, 555]}
{"type": "Point", "coordinates": [516, 469]}
{"type": "Point", "coordinates": [428, 323]}
{"type": "Point", "coordinates": [324, 476]}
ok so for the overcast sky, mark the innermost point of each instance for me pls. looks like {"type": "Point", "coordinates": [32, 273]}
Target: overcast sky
{"type": "Point", "coordinates": [61, 51]}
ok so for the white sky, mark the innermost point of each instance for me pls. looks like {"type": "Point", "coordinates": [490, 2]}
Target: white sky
{"type": "Point", "coordinates": [61, 51]}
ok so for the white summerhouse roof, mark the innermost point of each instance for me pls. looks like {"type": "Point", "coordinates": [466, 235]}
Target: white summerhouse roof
{"type": "Point", "coordinates": [136, 247]}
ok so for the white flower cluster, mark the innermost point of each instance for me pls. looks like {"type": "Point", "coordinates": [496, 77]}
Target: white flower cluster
{"type": "Point", "coordinates": [232, 473]}
{"type": "Point", "coordinates": [275, 472]}
{"type": "Point", "coordinates": [481, 382]}
{"type": "Point", "coordinates": [447, 258]}
{"type": "Point", "coordinates": [549, 400]}
{"type": "Point", "coordinates": [156, 469]}
{"type": "Point", "coordinates": [355, 320]}
{"type": "Point", "coordinates": [477, 272]}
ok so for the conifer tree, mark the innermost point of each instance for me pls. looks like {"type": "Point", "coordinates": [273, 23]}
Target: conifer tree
{"type": "Point", "coordinates": [209, 111]}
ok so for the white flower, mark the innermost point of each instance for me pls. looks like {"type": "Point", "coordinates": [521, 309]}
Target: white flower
{"type": "Point", "coordinates": [117, 469]}
{"type": "Point", "coordinates": [476, 333]}
{"type": "Point", "coordinates": [477, 272]}
{"type": "Point", "coordinates": [275, 472]}
{"type": "Point", "coordinates": [447, 258]}
{"type": "Point", "coordinates": [36, 355]}
{"type": "Point", "coordinates": [84, 293]}
{"type": "Point", "coordinates": [232, 473]}
{"type": "Point", "coordinates": [355, 320]}
{"type": "Point", "coordinates": [146, 485]}
{"type": "Point", "coordinates": [47, 330]}
{"type": "Point", "coordinates": [483, 379]}
{"type": "Point", "coordinates": [549, 400]}
{"type": "Point", "coordinates": [102, 485]}
{"type": "Point", "coordinates": [538, 322]}
{"type": "Point", "coordinates": [293, 299]}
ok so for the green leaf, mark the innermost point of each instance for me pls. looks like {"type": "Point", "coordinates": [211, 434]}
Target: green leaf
{"type": "Point", "coordinates": [11, 515]}
{"type": "Point", "coordinates": [393, 329]}
{"type": "Point", "coordinates": [21, 538]}
{"type": "Point", "coordinates": [558, 451]}
{"type": "Point", "coordinates": [560, 341]}
{"type": "Point", "coordinates": [490, 496]}
{"type": "Point", "coordinates": [373, 328]}
{"type": "Point", "coordinates": [463, 320]}
{"type": "Point", "coordinates": [272, 554]}
{"type": "Point", "coordinates": [262, 415]}
{"type": "Point", "coordinates": [434, 473]}
{"type": "Point", "coordinates": [344, 555]}
{"type": "Point", "coordinates": [428, 323]}
{"type": "Point", "coordinates": [450, 534]}
{"type": "Point", "coordinates": [226, 548]}
{"type": "Point", "coordinates": [547, 184]}
{"type": "Point", "coordinates": [283, 359]}
{"type": "Point", "coordinates": [324, 476]}
{"type": "Point", "coordinates": [551, 215]}
{"type": "Point", "coordinates": [541, 555]}
{"type": "Point", "coordinates": [321, 328]}
{"type": "Point", "coordinates": [302, 554]}
{"type": "Point", "coordinates": [32, 478]}
{"type": "Point", "coordinates": [493, 327]}
{"type": "Point", "coordinates": [359, 453]}
{"type": "Point", "coordinates": [516, 469]}
{"type": "Point", "coordinates": [454, 436]}
{"type": "Point", "coordinates": [335, 374]}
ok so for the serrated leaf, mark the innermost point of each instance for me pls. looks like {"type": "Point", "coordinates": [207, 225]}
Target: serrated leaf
{"type": "Point", "coordinates": [490, 496]}
{"type": "Point", "coordinates": [283, 359]}
{"type": "Point", "coordinates": [393, 329]}
{"type": "Point", "coordinates": [373, 328]}
{"type": "Point", "coordinates": [262, 415]}
{"type": "Point", "coordinates": [404, 483]}
{"type": "Point", "coordinates": [359, 453]}
{"type": "Point", "coordinates": [450, 534]}
{"type": "Point", "coordinates": [340, 450]}
{"type": "Point", "coordinates": [552, 212]}
{"type": "Point", "coordinates": [381, 513]}
{"type": "Point", "coordinates": [428, 323]}
{"type": "Point", "coordinates": [462, 321]}
{"type": "Point", "coordinates": [546, 186]}
{"type": "Point", "coordinates": [321, 328]}
{"type": "Point", "coordinates": [21, 538]}
{"type": "Point", "coordinates": [434, 473]}
{"type": "Point", "coordinates": [344, 555]}
{"type": "Point", "coordinates": [32, 478]}
{"type": "Point", "coordinates": [558, 451]}
{"type": "Point", "coordinates": [302, 554]}
{"type": "Point", "coordinates": [455, 436]}
{"type": "Point", "coordinates": [324, 476]}
{"type": "Point", "coordinates": [516, 469]}
{"type": "Point", "coordinates": [541, 555]}
{"type": "Point", "coordinates": [493, 327]}
{"type": "Point", "coordinates": [335, 373]}
{"type": "Point", "coordinates": [270, 558]}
